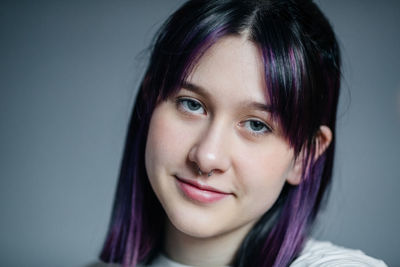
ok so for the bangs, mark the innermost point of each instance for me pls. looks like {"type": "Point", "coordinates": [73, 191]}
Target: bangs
{"type": "Point", "coordinates": [286, 57]}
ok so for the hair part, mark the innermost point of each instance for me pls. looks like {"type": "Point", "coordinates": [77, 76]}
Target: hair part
{"type": "Point", "coordinates": [302, 74]}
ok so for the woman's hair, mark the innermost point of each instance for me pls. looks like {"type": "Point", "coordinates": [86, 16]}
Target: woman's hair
{"type": "Point", "coordinates": [302, 75]}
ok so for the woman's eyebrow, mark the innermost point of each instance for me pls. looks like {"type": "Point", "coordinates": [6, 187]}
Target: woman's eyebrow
{"type": "Point", "coordinates": [195, 88]}
{"type": "Point", "coordinates": [257, 105]}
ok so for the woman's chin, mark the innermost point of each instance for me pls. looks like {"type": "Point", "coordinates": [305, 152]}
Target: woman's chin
{"type": "Point", "coordinates": [195, 227]}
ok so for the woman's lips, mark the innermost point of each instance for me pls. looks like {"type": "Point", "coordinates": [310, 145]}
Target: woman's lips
{"type": "Point", "coordinates": [201, 193]}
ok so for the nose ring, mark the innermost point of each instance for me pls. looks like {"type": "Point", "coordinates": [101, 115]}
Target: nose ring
{"type": "Point", "coordinates": [208, 174]}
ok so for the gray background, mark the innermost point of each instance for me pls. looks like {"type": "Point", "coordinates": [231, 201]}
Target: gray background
{"type": "Point", "coordinates": [69, 70]}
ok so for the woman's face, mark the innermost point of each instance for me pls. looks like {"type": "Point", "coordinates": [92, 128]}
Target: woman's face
{"type": "Point", "coordinates": [218, 121]}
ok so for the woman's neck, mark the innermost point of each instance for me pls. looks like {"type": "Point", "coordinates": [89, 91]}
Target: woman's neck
{"type": "Point", "coordinates": [211, 251]}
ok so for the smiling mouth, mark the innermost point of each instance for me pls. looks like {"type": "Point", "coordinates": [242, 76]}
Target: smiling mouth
{"type": "Point", "coordinates": [200, 193]}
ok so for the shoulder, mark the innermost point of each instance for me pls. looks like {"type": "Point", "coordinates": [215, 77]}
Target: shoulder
{"type": "Point", "coordinates": [317, 253]}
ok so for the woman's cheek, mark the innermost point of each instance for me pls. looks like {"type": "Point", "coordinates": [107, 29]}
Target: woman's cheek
{"type": "Point", "coordinates": [262, 171]}
{"type": "Point", "coordinates": [168, 138]}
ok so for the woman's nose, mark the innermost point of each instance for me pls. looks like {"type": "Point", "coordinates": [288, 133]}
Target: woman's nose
{"type": "Point", "coordinates": [211, 151]}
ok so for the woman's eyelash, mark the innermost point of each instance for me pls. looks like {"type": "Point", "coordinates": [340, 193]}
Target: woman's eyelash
{"type": "Point", "coordinates": [256, 127]}
{"type": "Point", "coordinates": [190, 105]}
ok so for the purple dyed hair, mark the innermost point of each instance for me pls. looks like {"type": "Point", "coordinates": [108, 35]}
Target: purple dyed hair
{"type": "Point", "coordinates": [302, 74]}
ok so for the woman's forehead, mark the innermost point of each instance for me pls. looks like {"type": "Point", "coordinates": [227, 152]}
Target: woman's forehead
{"type": "Point", "coordinates": [231, 68]}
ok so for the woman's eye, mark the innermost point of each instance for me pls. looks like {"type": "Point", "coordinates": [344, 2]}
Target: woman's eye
{"type": "Point", "coordinates": [256, 127]}
{"type": "Point", "coordinates": [190, 105]}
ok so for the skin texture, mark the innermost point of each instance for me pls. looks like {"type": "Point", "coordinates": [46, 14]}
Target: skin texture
{"type": "Point", "coordinates": [213, 124]}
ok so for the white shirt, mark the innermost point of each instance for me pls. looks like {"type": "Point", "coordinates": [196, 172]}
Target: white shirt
{"type": "Point", "coordinates": [315, 253]}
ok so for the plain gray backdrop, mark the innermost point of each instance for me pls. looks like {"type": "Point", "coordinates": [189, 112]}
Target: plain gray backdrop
{"type": "Point", "coordinates": [68, 77]}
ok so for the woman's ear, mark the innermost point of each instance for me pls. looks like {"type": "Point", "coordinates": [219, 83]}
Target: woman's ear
{"type": "Point", "coordinates": [322, 140]}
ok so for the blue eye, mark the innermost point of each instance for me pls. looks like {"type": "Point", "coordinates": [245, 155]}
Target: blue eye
{"type": "Point", "coordinates": [191, 105]}
{"type": "Point", "coordinates": [256, 127]}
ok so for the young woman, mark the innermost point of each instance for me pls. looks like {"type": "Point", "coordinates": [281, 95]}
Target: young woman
{"type": "Point", "coordinates": [231, 141]}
